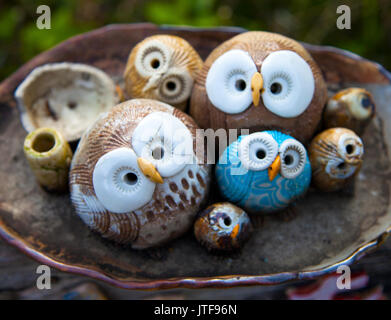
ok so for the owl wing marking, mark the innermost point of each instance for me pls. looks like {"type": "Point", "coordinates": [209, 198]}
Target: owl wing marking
{"type": "Point", "coordinates": [87, 206]}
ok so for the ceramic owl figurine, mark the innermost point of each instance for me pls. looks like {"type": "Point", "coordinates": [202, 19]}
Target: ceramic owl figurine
{"type": "Point", "coordinates": [260, 81]}
{"type": "Point", "coordinates": [352, 108]}
{"type": "Point", "coordinates": [263, 172]}
{"type": "Point", "coordinates": [223, 227]}
{"type": "Point", "coordinates": [134, 177]}
{"type": "Point", "coordinates": [336, 157]}
{"type": "Point", "coordinates": [162, 67]}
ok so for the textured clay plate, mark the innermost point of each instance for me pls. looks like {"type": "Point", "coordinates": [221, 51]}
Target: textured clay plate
{"type": "Point", "coordinates": [329, 229]}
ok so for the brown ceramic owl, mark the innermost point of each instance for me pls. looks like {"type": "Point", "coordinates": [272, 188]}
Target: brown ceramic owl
{"type": "Point", "coordinates": [162, 67]}
{"type": "Point", "coordinates": [134, 177]}
{"type": "Point", "coordinates": [260, 81]}
{"type": "Point", "coordinates": [336, 157]}
{"type": "Point", "coordinates": [352, 108]}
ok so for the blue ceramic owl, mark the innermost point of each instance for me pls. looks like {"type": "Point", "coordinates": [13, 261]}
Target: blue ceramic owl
{"type": "Point", "coordinates": [264, 172]}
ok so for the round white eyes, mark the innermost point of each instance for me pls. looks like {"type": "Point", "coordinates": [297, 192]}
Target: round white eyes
{"type": "Point", "coordinates": [258, 151]}
{"type": "Point", "coordinates": [350, 146]}
{"type": "Point", "coordinates": [152, 57]}
{"type": "Point", "coordinates": [118, 182]}
{"type": "Point", "coordinates": [293, 158]}
{"type": "Point", "coordinates": [289, 84]}
{"type": "Point", "coordinates": [165, 141]}
{"type": "Point", "coordinates": [228, 83]}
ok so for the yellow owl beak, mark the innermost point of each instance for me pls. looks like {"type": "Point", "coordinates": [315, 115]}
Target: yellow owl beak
{"type": "Point", "coordinates": [257, 87]}
{"type": "Point", "coordinates": [274, 169]}
{"type": "Point", "coordinates": [149, 170]}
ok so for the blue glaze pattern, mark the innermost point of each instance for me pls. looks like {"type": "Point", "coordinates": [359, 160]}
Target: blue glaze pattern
{"type": "Point", "coordinates": [253, 190]}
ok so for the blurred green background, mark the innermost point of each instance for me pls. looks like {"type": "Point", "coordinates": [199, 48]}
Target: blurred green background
{"type": "Point", "coordinates": [304, 20]}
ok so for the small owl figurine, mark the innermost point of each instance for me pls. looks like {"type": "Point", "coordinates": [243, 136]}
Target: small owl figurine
{"type": "Point", "coordinates": [223, 227]}
{"type": "Point", "coordinates": [352, 108]}
{"type": "Point", "coordinates": [134, 177]}
{"type": "Point", "coordinates": [260, 81]}
{"type": "Point", "coordinates": [336, 157]}
{"type": "Point", "coordinates": [264, 172]}
{"type": "Point", "coordinates": [162, 67]}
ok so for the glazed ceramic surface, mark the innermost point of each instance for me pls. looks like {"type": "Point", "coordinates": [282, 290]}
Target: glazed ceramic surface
{"type": "Point", "coordinates": [260, 81]}
{"type": "Point", "coordinates": [162, 67]}
{"type": "Point", "coordinates": [352, 108]}
{"type": "Point", "coordinates": [328, 231]}
{"type": "Point", "coordinates": [244, 178]}
{"type": "Point", "coordinates": [223, 227]}
{"type": "Point", "coordinates": [336, 157]}
{"type": "Point", "coordinates": [135, 178]}
{"type": "Point", "coordinates": [65, 96]}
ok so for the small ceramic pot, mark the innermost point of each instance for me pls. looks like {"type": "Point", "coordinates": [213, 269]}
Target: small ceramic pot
{"type": "Point", "coordinates": [49, 156]}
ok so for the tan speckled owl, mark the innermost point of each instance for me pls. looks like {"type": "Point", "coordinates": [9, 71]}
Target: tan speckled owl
{"type": "Point", "coordinates": [134, 177]}
{"type": "Point", "coordinates": [336, 157]}
{"type": "Point", "coordinates": [162, 67]}
{"type": "Point", "coordinates": [260, 81]}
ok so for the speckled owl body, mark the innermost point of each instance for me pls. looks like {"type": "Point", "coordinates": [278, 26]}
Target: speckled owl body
{"type": "Point", "coordinates": [173, 204]}
{"type": "Point", "coordinates": [253, 190]}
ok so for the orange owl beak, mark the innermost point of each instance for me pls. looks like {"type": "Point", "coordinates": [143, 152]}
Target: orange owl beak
{"type": "Point", "coordinates": [274, 169]}
{"type": "Point", "coordinates": [257, 87]}
{"type": "Point", "coordinates": [149, 170]}
{"type": "Point", "coordinates": [235, 232]}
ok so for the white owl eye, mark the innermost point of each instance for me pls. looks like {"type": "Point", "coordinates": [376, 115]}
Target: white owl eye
{"type": "Point", "coordinates": [118, 182]}
{"type": "Point", "coordinates": [228, 83]}
{"type": "Point", "coordinates": [176, 86]}
{"type": "Point", "coordinates": [289, 84]}
{"type": "Point", "coordinates": [293, 158]}
{"type": "Point", "coordinates": [257, 151]}
{"type": "Point", "coordinates": [362, 107]}
{"type": "Point", "coordinates": [165, 141]}
{"type": "Point", "coordinates": [152, 57]}
{"type": "Point", "coordinates": [227, 220]}
{"type": "Point", "coordinates": [350, 146]}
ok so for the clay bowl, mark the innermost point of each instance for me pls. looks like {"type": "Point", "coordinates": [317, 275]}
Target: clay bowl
{"type": "Point", "coordinates": [329, 230]}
